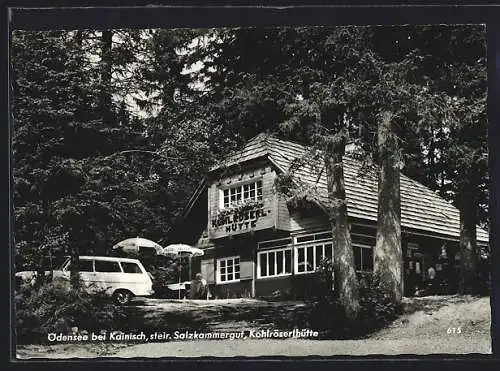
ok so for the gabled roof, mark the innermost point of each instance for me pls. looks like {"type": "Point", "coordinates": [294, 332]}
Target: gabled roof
{"type": "Point", "coordinates": [421, 208]}
{"type": "Point", "coordinates": [256, 147]}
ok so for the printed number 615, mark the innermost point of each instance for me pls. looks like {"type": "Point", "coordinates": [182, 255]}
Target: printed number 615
{"type": "Point", "coordinates": [454, 330]}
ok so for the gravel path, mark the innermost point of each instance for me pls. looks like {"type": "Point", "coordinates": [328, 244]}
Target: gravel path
{"type": "Point", "coordinates": [299, 347]}
{"type": "Point", "coordinates": [428, 331]}
{"type": "Point", "coordinates": [289, 347]}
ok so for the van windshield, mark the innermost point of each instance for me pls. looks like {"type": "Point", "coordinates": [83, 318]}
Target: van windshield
{"type": "Point", "coordinates": [66, 264]}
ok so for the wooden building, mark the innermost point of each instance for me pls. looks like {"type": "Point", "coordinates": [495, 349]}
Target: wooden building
{"type": "Point", "coordinates": [256, 246]}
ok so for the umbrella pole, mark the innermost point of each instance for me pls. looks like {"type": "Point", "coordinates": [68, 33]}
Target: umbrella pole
{"type": "Point", "coordinates": [190, 274]}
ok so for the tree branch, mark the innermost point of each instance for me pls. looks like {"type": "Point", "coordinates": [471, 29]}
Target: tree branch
{"type": "Point", "coordinates": [153, 153]}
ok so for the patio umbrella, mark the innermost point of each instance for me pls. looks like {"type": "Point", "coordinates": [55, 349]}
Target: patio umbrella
{"type": "Point", "coordinates": [139, 245]}
{"type": "Point", "coordinates": [179, 250]}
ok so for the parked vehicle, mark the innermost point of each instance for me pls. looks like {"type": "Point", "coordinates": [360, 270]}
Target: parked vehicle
{"type": "Point", "coordinates": [122, 278]}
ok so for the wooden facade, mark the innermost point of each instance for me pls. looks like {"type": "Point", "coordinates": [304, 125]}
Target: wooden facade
{"type": "Point", "coordinates": [256, 246]}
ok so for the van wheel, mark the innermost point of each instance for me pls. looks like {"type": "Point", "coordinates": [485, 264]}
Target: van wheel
{"type": "Point", "coordinates": [122, 297]}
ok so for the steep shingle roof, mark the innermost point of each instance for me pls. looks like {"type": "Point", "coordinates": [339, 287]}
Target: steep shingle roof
{"type": "Point", "coordinates": [421, 208]}
{"type": "Point", "coordinates": [254, 148]}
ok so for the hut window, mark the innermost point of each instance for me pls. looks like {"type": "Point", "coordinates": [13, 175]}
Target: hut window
{"type": "Point", "coordinates": [274, 263]}
{"type": "Point", "coordinates": [314, 237]}
{"type": "Point", "coordinates": [363, 257]}
{"type": "Point", "coordinates": [243, 192]}
{"type": "Point", "coordinates": [411, 249]}
{"type": "Point", "coordinates": [309, 256]}
{"type": "Point", "coordinates": [311, 249]}
{"type": "Point", "coordinates": [228, 269]}
{"type": "Point", "coordinates": [274, 244]}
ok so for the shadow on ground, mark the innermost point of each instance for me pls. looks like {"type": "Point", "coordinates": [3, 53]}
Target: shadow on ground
{"type": "Point", "coordinates": [228, 315]}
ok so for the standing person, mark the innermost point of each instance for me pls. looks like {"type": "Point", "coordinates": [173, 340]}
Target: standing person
{"type": "Point", "coordinates": [203, 287]}
{"type": "Point", "coordinates": [431, 281]}
{"type": "Point", "coordinates": [444, 272]}
{"type": "Point", "coordinates": [411, 285]}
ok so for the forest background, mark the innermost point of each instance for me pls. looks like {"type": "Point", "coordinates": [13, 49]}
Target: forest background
{"type": "Point", "coordinates": [113, 130]}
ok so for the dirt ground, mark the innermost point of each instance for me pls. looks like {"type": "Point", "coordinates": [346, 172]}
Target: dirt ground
{"type": "Point", "coordinates": [429, 325]}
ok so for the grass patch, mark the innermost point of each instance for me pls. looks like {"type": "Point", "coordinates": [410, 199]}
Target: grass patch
{"type": "Point", "coordinates": [431, 303]}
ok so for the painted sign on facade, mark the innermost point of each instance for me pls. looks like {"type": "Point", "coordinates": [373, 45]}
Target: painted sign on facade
{"type": "Point", "coordinates": [242, 203]}
{"type": "Point", "coordinates": [242, 220]}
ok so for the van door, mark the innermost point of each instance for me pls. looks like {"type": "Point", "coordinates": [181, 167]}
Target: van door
{"type": "Point", "coordinates": [86, 270]}
{"type": "Point", "coordinates": [108, 275]}
{"type": "Point", "coordinates": [87, 273]}
{"type": "Point", "coordinates": [135, 278]}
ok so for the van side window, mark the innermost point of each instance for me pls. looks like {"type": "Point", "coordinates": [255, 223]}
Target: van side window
{"type": "Point", "coordinates": [131, 268]}
{"type": "Point", "coordinates": [106, 266]}
{"type": "Point", "coordinates": [86, 265]}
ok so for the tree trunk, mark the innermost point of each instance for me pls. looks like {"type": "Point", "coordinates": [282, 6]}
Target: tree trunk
{"type": "Point", "coordinates": [388, 265]}
{"type": "Point", "coordinates": [40, 274]}
{"type": "Point", "coordinates": [432, 160]}
{"type": "Point", "coordinates": [468, 282]}
{"type": "Point", "coordinates": [40, 271]}
{"type": "Point", "coordinates": [82, 107]}
{"type": "Point", "coordinates": [75, 261]}
{"type": "Point", "coordinates": [106, 75]}
{"type": "Point", "coordinates": [346, 284]}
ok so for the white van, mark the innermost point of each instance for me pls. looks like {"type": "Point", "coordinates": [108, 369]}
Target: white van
{"type": "Point", "coordinates": [123, 278]}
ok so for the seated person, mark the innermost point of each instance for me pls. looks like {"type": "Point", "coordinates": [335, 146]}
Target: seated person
{"type": "Point", "coordinates": [199, 288]}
